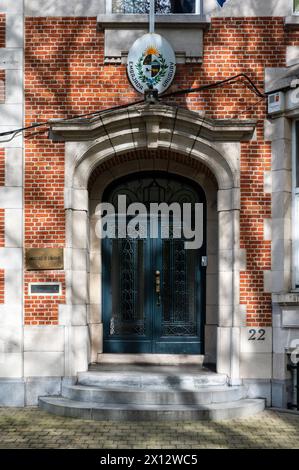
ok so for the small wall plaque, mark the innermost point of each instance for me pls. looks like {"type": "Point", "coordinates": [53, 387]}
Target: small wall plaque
{"type": "Point", "coordinates": [45, 288]}
{"type": "Point", "coordinates": [38, 259]}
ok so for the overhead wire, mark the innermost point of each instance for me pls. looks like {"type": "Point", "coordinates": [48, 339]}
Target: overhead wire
{"type": "Point", "coordinates": [248, 83]}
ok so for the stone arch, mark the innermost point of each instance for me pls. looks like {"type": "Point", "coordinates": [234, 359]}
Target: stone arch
{"type": "Point", "coordinates": [110, 141]}
{"type": "Point", "coordinates": [174, 164]}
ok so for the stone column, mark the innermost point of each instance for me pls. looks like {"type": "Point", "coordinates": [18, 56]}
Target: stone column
{"type": "Point", "coordinates": [11, 200]}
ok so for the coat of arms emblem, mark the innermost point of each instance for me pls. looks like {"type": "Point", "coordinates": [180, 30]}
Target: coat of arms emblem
{"type": "Point", "coordinates": [151, 63]}
{"type": "Point", "coordinates": [151, 66]}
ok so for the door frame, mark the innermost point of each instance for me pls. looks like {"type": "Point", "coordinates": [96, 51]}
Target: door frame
{"type": "Point", "coordinates": [149, 345]}
{"type": "Point", "coordinates": [149, 137]}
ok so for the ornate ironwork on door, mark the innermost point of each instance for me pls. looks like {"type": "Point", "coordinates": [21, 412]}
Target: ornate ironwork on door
{"type": "Point", "coordinates": [153, 288]}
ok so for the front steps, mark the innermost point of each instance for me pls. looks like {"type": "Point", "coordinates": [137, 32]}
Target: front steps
{"type": "Point", "coordinates": [152, 394]}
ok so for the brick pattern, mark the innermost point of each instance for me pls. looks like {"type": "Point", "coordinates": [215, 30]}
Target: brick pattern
{"type": "Point", "coordinates": [196, 166]}
{"type": "Point", "coordinates": [292, 37]}
{"type": "Point", "coordinates": [255, 207]}
{"type": "Point", "coordinates": [2, 86]}
{"type": "Point", "coordinates": [2, 228]}
{"type": "Point", "coordinates": [39, 309]}
{"type": "Point", "coordinates": [2, 167]}
{"type": "Point", "coordinates": [65, 76]}
{"type": "Point", "coordinates": [32, 428]}
{"type": "Point", "coordinates": [2, 286]}
{"type": "Point", "coordinates": [2, 30]}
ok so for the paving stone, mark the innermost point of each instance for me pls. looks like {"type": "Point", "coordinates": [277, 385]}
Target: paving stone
{"type": "Point", "coordinates": [32, 428]}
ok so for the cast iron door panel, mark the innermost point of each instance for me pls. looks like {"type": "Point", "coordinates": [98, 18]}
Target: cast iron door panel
{"type": "Point", "coordinates": [152, 292]}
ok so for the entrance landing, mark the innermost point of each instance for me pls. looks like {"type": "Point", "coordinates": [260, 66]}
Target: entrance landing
{"type": "Point", "coordinates": [151, 393]}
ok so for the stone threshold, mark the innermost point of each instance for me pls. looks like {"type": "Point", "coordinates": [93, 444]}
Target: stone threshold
{"type": "Point", "coordinates": [151, 359]}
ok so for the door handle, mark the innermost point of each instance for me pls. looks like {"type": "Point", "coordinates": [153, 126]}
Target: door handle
{"type": "Point", "coordinates": [158, 287]}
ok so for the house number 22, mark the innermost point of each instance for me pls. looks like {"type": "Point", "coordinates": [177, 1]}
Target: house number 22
{"type": "Point", "coordinates": [257, 335]}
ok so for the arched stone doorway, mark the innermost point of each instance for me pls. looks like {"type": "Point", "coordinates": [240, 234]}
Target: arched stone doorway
{"type": "Point", "coordinates": [173, 166]}
{"type": "Point", "coordinates": [153, 287]}
{"type": "Point", "coordinates": [150, 138]}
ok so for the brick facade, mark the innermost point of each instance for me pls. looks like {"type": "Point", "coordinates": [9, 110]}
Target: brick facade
{"type": "Point", "coordinates": [2, 30]}
{"type": "Point", "coordinates": [65, 75]}
{"type": "Point", "coordinates": [2, 167]}
{"type": "Point", "coordinates": [42, 310]}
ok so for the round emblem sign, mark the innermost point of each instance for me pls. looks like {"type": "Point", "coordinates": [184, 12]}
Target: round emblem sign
{"type": "Point", "coordinates": [151, 62]}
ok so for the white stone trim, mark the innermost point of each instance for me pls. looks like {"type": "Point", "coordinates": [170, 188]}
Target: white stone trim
{"type": "Point", "coordinates": [11, 114]}
{"type": "Point", "coordinates": [295, 212]}
{"type": "Point", "coordinates": [11, 58]}
{"type": "Point", "coordinates": [13, 286]}
{"type": "Point", "coordinates": [11, 198]}
{"type": "Point", "coordinates": [11, 7]}
{"type": "Point", "coordinates": [14, 86]}
{"type": "Point", "coordinates": [44, 294]}
{"type": "Point", "coordinates": [43, 338]}
{"type": "Point", "coordinates": [217, 147]}
{"type": "Point", "coordinates": [14, 30]}
{"type": "Point", "coordinates": [54, 8]}
{"type": "Point", "coordinates": [11, 365]}
{"type": "Point", "coordinates": [11, 258]}
{"type": "Point", "coordinates": [13, 228]}
{"type": "Point", "coordinates": [233, 8]}
{"type": "Point", "coordinates": [292, 55]}
{"type": "Point", "coordinates": [14, 167]}
{"type": "Point", "coordinates": [43, 364]}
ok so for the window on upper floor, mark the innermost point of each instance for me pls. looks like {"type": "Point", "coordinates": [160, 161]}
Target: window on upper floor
{"type": "Point", "coordinates": [162, 6]}
{"type": "Point", "coordinates": [296, 6]}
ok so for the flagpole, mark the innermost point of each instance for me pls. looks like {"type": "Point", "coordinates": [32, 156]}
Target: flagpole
{"type": "Point", "coordinates": [152, 16]}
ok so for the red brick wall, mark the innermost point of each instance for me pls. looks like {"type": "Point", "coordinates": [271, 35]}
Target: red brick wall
{"type": "Point", "coordinates": [65, 75]}
{"type": "Point", "coordinates": [2, 86]}
{"type": "Point", "coordinates": [39, 309]}
{"type": "Point", "coordinates": [2, 30]}
{"type": "Point", "coordinates": [2, 166]}
{"type": "Point", "coordinates": [255, 207]}
{"type": "Point", "coordinates": [2, 228]}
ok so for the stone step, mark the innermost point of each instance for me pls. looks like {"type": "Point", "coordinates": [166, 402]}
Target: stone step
{"type": "Point", "coordinates": [124, 412]}
{"type": "Point", "coordinates": [151, 359]}
{"type": "Point", "coordinates": [205, 395]}
{"type": "Point", "coordinates": [151, 379]}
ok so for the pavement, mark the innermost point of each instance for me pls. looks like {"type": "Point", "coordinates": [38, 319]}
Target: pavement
{"type": "Point", "coordinates": [31, 428]}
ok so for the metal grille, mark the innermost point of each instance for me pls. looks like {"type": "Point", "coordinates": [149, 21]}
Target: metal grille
{"type": "Point", "coordinates": [128, 318]}
{"type": "Point", "coordinates": [178, 291]}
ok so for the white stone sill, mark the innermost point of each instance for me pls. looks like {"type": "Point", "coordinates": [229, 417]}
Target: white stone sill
{"type": "Point", "coordinates": [119, 21]}
{"type": "Point", "coordinates": [291, 22]}
{"type": "Point", "coordinates": [290, 298]}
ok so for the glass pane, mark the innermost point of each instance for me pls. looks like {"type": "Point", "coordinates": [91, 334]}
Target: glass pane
{"type": "Point", "coordinates": [296, 5]}
{"type": "Point", "coordinates": [183, 6]}
{"type": "Point", "coordinates": [162, 6]}
{"type": "Point", "coordinates": [127, 288]}
{"type": "Point", "coordinates": [178, 289]}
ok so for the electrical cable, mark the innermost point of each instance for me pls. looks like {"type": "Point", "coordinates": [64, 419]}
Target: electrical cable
{"type": "Point", "coordinates": [251, 85]}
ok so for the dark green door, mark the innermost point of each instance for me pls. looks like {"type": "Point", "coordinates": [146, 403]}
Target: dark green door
{"type": "Point", "coordinates": [153, 288]}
